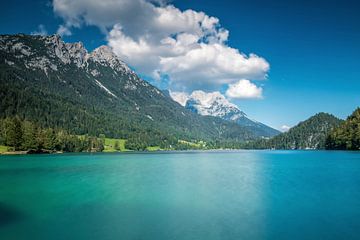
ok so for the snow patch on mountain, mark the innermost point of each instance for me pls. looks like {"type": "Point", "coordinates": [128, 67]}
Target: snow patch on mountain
{"type": "Point", "coordinates": [103, 87]}
{"type": "Point", "coordinates": [208, 104]}
{"type": "Point", "coordinates": [216, 105]}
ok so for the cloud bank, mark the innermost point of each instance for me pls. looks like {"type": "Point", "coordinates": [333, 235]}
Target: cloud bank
{"type": "Point", "coordinates": [189, 48]}
{"type": "Point", "coordinates": [41, 30]}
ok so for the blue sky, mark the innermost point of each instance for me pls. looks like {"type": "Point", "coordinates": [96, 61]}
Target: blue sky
{"type": "Point", "coordinates": [312, 47]}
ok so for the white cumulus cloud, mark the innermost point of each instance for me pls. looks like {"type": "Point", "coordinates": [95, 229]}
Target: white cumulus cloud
{"type": "Point", "coordinates": [244, 89]}
{"type": "Point", "coordinates": [285, 128]}
{"type": "Point", "coordinates": [41, 30]}
{"type": "Point", "coordinates": [189, 48]}
{"type": "Point", "coordinates": [63, 31]}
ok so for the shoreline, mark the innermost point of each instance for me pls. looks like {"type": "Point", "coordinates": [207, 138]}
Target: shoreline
{"type": "Point", "coordinates": [159, 151]}
{"type": "Point", "coordinates": [30, 152]}
{"type": "Point", "coordinates": [14, 153]}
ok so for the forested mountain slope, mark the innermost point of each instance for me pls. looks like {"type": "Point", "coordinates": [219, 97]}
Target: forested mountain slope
{"type": "Point", "coordinates": [61, 85]}
{"type": "Point", "coordinates": [347, 135]}
{"type": "Point", "coordinates": [309, 134]}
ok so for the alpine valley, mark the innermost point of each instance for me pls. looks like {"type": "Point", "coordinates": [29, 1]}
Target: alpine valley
{"type": "Point", "coordinates": [57, 96]}
{"type": "Point", "coordinates": [63, 86]}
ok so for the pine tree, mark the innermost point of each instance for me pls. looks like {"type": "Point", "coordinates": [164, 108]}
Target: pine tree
{"type": "Point", "coordinates": [49, 139]}
{"type": "Point", "coordinates": [117, 145]}
{"type": "Point", "coordinates": [13, 133]}
{"type": "Point", "coordinates": [29, 136]}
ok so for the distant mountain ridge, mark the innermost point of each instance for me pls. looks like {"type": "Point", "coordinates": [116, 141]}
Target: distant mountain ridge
{"type": "Point", "coordinates": [216, 105]}
{"type": "Point", "coordinates": [309, 134]}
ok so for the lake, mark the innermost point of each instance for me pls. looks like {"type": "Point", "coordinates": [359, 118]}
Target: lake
{"type": "Point", "coordinates": [181, 195]}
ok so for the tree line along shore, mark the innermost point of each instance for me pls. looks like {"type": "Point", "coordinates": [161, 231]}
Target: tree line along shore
{"type": "Point", "coordinates": [23, 136]}
{"type": "Point", "coordinates": [19, 136]}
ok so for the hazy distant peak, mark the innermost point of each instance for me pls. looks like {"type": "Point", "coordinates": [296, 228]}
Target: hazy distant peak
{"type": "Point", "coordinates": [215, 104]}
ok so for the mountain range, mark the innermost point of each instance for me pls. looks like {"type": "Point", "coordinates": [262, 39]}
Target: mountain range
{"type": "Point", "coordinates": [62, 85]}
{"type": "Point", "coordinates": [216, 105]}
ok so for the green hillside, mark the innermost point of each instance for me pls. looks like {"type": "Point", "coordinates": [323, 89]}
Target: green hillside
{"type": "Point", "coordinates": [309, 134]}
{"type": "Point", "coordinates": [347, 135]}
{"type": "Point", "coordinates": [60, 85]}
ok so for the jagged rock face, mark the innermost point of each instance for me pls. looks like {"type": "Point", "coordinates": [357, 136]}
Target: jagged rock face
{"type": "Point", "coordinates": [105, 55]}
{"type": "Point", "coordinates": [68, 53]}
{"type": "Point", "coordinates": [56, 54]}
{"type": "Point", "coordinates": [78, 53]}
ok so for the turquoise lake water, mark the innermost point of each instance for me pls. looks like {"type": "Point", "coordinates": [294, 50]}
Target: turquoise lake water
{"type": "Point", "coordinates": [184, 195]}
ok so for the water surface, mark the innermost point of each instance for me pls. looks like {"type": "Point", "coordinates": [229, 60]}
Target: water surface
{"type": "Point", "coordinates": [184, 195]}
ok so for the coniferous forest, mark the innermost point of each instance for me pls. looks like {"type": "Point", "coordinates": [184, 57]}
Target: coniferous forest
{"type": "Point", "coordinates": [26, 136]}
{"type": "Point", "coordinates": [309, 134]}
{"type": "Point", "coordinates": [347, 135]}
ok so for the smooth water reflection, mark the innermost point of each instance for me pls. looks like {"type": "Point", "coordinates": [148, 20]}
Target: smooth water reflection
{"type": "Point", "coordinates": [197, 195]}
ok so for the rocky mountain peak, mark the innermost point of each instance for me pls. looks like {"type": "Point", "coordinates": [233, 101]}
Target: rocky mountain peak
{"type": "Point", "coordinates": [77, 52]}
{"type": "Point", "coordinates": [105, 55]}
{"type": "Point", "coordinates": [55, 39]}
{"type": "Point", "coordinates": [56, 44]}
{"type": "Point", "coordinates": [66, 52]}
{"type": "Point", "coordinates": [213, 104]}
